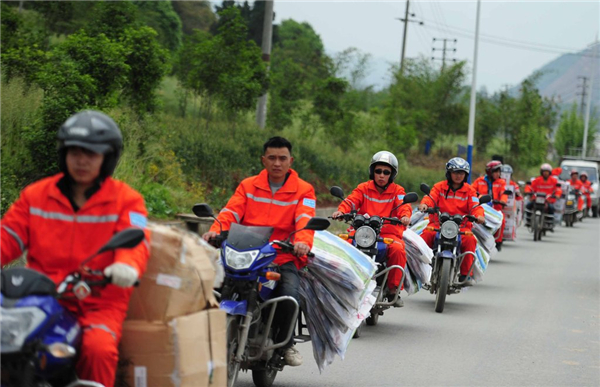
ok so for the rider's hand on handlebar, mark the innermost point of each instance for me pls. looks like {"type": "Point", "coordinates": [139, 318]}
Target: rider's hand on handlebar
{"type": "Point", "coordinates": [207, 236]}
{"type": "Point", "coordinates": [122, 274]}
{"type": "Point", "coordinates": [423, 207]}
{"type": "Point", "coordinates": [405, 220]}
{"type": "Point", "coordinates": [337, 214]}
{"type": "Point", "coordinates": [480, 219]}
{"type": "Point", "coordinates": [301, 249]}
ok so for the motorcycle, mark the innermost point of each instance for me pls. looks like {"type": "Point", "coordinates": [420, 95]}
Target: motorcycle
{"type": "Point", "coordinates": [538, 220]}
{"type": "Point", "coordinates": [40, 338]}
{"type": "Point", "coordinates": [247, 297]}
{"type": "Point", "coordinates": [366, 239]}
{"type": "Point", "coordinates": [570, 214]}
{"type": "Point", "coordinates": [446, 259]}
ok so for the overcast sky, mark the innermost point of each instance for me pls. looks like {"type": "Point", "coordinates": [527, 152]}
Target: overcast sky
{"type": "Point", "coordinates": [546, 29]}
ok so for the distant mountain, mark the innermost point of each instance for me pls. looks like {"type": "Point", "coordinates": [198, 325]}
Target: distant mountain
{"type": "Point", "coordinates": [560, 80]}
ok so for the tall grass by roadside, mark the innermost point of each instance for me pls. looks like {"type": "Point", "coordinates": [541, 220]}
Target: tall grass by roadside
{"type": "Point", "coordinates": [177, 161]}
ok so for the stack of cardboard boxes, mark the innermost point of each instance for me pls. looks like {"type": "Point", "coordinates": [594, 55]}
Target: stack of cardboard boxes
{"type": "Point", "coordinates": [174, 335]}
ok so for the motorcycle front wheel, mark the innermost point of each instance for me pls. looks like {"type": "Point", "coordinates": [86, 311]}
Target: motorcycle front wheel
{"type": "Point", "coordinates": [233, 339]}
{"type": "Point", "coordinates": [264, 378]}
{"type": "Point", "coordinates": [440, 297]}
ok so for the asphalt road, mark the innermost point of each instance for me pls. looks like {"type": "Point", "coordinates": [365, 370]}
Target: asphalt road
{"type": "Point", "coordinates": [533, 321]}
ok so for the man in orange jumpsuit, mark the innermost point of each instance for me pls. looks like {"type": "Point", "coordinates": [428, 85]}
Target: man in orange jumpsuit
{"type": "Point", "coordinates": [547, 184]}
{"type": "Point", "coordinates": [456, 197]}
{"type": "Point", "coordinates": [277, 198]}
{"type": "Point", "coordinates": [587, 184]}
{"type": "Point", "coordinates": [378, 197]}
{"type": "Point", "coordinates": [63, 219]}
{"type": "Point", "coordinates": [491, 184]}
{"type": "Point", "coordinates": [577, 185]}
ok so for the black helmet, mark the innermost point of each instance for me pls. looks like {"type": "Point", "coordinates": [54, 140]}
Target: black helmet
{"type": "Point", "coordinates": [95, 131]}
{"type": "Point", "coordinates": [386, 158]}
{"type": "Point", "coordinates": [457, 164]}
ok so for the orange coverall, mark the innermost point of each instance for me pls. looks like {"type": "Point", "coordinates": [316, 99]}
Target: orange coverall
{"type": "Point", "coordinates": [288, 210]}
{"type": "Point", "coordinates": [58, 238]}
{"type": "Point", "coordinates": [459, 202]}
{"type": "Point", "coordinates": [366, 199]}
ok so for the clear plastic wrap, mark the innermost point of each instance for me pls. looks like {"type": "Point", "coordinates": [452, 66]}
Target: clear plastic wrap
{"type": "Point", "coordinates": [493, 218]}
{"type": "Point", "coordinates": [335, 295]}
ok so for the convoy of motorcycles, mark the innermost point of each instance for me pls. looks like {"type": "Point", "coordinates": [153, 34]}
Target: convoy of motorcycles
{"type": "Point", "coordinates": [39, 348]}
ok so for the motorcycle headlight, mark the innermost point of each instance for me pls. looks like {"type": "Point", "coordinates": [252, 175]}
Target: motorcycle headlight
{"type": "Point", "coordinates": [365, 236]}
{"type": "Point", "coordinates": [569, 202]}
{"type": "Point", "coordinates": [449, 230]}
{"type": "Point", "coordinates": [16, 324]}
{"type": "Point", "coordinates": [240, 260]}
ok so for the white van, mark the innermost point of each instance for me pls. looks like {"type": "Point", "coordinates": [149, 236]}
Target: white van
{"type": "Point", "coordinates": [591, 167]}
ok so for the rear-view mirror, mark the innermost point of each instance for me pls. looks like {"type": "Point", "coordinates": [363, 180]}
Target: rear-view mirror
{"type": "Point", "coordinates": [317, 224]}
{"type": "Point", "coordinates": [425, 188]}
{"type": "Point", "coordinates": [337, 192]}
{"type": "Point", "coordinates": [410, 197]}
{"type": "Point", "coordinates": [126, 239]}
{"type": "Point", "coordinates": [203, 210]}
{"type": "Point", "coordinates": [485, 199]}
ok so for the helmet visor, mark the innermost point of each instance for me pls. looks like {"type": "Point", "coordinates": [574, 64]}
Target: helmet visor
{"type": "Point", "coordinates": [96, 148]}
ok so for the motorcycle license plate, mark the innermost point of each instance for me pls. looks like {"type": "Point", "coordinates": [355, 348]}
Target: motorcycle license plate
{"type": "Point", "coordinates": [540, 200]}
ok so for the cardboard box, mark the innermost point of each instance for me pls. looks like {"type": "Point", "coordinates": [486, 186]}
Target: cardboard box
{"type": "Point", "coordinates": [188, 351]}
{"type": "Point", "coordinates": [179, 277]}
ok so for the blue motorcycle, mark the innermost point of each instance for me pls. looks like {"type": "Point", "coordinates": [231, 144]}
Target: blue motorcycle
{"type": "Point", "coordinates": [447, 258]}
{"type": "Point", "coordinates": [246, 295]}
{"type": "Point", "coordinates": [40, 338]}
{"type": "Point", "coordinates": [366, 239]}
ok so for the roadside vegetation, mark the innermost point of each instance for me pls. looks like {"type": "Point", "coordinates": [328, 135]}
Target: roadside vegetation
{"type": "Point", "coordinates": [182, 83]}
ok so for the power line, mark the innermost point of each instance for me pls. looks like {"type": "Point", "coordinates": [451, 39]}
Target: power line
{"type": "Point", "coordinates": [443, 50]}
{"type": "Point", "coordinates": [505, 42]}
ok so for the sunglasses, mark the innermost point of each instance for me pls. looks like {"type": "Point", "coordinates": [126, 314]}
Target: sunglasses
{"type": "Point", "coordinates": [386, 172]}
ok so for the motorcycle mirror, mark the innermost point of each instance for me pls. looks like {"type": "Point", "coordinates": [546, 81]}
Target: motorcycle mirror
{"type": "Point", "coordinates": [425, 188]}
{"type": "Point", "coordinates": [337, 192]}
{"type": "Point", "coordinates": [508, 192]}
{"type": "Point", "coordinates": [203, 210]}
{"type": "Point", "coordinates": [317, 224]}
{"type": "Point", "coordinates": [126, 239]}
{"type": "Point", "coordinates": [410, 197]}
{"type": "Point", "coordinates": [485, 199]}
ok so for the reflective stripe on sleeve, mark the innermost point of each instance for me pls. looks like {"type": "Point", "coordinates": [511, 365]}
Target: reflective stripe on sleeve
{"type": "Point", "coordinates": [302, 216]}
{"type": "Point", "coordinates": [235, 214]}
{"type": "Point", "coordinates": [16, 236]}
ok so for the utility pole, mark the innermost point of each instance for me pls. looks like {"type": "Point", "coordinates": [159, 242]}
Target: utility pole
{"type": "Point", "coordinates": [405, 21]}
{"type": "Point", "coordinates": [261, 106]}
{"type": "Point", "coordinates": [589, 103]}
{"type": "Point", "coordinates": [443, 50]}
{"type": "Point", "coordinates": [471, 131]}
{"type": "Point", "coordinates": [582, 94]}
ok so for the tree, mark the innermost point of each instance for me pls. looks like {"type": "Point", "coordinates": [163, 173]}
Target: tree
{"type": "Point", "coordinates": [229, 68]}
{"type": "Point", "coordinates": [298, 68]}
{"type": "Point", "coordinates": [425, 103]}
{"type": "Point", "coordinates": [161, 16]}
{"type": "Point", "coordinates": [194, 15]}
{"type": "Point", "coordinates": [570, 132]}
{"type": "Point", "coordinates": [147, 63]}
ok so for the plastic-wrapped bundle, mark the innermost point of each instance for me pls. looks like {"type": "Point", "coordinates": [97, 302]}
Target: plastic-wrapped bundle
{"type": "Point", "coordinates": [484, 237]}
{"type": "Point", "coordinates": [335, 294]}
{"type": "Point", "coordinates": [411, 285]}
{"type": "Point", "coordinates": [416, 247]}
{"type": "Point", "coordinates": [419, 227]}
{"type": "Point", "coordinates": [482, 259]}
{"type": "Point", "coordinates": [417, 216]}
{"type": "Point", "coordinates": [493, 218]}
